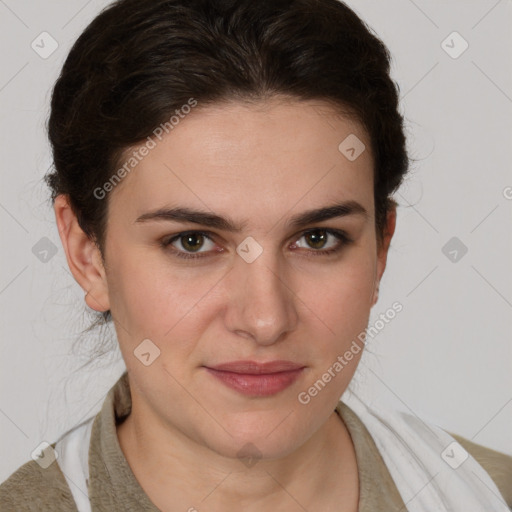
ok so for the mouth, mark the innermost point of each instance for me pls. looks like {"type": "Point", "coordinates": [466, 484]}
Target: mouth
{"type": "Point", "coordinates": [257, 379]}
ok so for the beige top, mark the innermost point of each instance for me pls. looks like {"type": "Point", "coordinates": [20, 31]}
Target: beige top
{"type": "Point", "coordinates": [114, 488]}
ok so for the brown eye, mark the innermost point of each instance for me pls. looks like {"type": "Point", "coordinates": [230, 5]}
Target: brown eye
{"type": "Point", "coordinates": [189, 244]}
{"type": "Point", "coordinates": [192, 241]}
{"type": "Point", "coordinates": [316, 239]}
{"type": "Point", "coordinates": [318, 243]}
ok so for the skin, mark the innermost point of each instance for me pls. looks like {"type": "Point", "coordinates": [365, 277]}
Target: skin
{"type": "Point", "coordinates": [259, 164]}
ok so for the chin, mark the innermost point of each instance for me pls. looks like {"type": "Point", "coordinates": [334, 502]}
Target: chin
{"type": "Point", "coordinates": [260, 435]}
{"type": "Point", "coordinates": [250, 449]}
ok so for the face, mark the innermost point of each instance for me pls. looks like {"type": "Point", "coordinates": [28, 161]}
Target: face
{"type": "Point", "coordinates": [261, 286]}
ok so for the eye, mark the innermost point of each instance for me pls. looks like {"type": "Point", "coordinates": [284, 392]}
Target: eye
{"type": "Point", "coordinates": [318, 238]}
{"type": "Point", "coordinates": [190, 241]}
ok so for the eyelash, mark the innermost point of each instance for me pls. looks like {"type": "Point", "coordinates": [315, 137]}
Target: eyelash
{"type": "Point", "coordinates": [342, 237]}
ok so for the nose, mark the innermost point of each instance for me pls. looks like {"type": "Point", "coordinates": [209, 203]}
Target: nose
{"type": "Point", "coordinates": [262, 305]}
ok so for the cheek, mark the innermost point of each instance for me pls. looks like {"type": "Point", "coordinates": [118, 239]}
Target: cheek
{"type": "Point", "coordinates": [341, 307]}
{"type": "Point", "coordinates": [342, 296]}
{"type": "Point", "coordinates": [135, 294]}
{"type": "Point", "coordinates": [145, 297]}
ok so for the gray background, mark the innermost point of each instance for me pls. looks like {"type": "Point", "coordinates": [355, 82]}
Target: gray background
{"type": "Point", "coordinates": [446, 357]}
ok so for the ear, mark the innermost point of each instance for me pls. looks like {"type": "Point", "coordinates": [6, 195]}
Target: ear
{"type": "Point", "coordinates": [382, 250]}
{"type": "Point", "coordinates": [83, 256]}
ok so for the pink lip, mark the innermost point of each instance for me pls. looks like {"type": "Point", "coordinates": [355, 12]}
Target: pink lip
{"type": "Point", "coordinates": [257, 379]}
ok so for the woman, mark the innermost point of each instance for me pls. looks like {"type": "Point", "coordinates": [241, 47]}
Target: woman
{"type": "Point", "coordinates": [222, 188]}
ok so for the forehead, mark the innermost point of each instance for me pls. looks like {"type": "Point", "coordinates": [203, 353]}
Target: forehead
{"type": "Point", "coordinates": [262, 157]}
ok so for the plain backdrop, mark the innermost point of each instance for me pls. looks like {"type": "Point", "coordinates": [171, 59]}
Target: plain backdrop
{"type": "Point", "coordinates": [447, 357]}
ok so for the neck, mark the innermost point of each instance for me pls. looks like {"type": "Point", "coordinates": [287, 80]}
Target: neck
{"type": "Point", "coordinates": [174, 470]}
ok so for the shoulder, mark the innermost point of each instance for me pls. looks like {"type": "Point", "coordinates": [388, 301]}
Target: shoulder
{"type": "Point", "coordinates": [498, 465]}
{"type": "Point", "coordinates": [33, 488]}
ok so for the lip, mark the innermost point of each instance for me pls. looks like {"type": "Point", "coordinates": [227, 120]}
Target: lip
{"type": "Point", "coordinates": [253, 378]}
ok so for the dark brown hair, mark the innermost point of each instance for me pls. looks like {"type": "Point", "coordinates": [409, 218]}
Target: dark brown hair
{"type": "Point", "coordinates": [139, 61]}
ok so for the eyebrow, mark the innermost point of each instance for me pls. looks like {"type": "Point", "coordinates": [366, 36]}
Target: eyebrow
{"type": "Point", "coordinates": [184, 214]}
